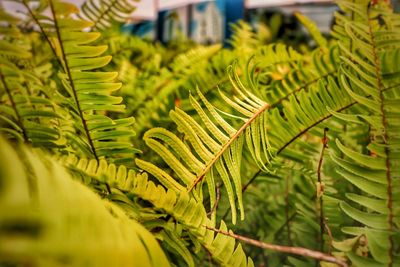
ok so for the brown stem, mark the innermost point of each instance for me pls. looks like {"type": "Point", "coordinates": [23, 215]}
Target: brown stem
{"type": "Point", "coordinates": [329, 232]}
{"type": "Point", "coordinates": [214, 208]}
{"type": "Point", "coordinates": [320, 191]}
{"type": "Point", "coordinates": [287, 210]}
{"type": "Point", "coordinates": [285, 249]}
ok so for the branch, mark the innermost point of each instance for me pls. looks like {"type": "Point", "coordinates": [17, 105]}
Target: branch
{"type": "Point", "coordinates": [285, 249]}
{"type": "Point", "coordinates": [320, 191]}
{"type": "Point", "coordinates": [214, 208]}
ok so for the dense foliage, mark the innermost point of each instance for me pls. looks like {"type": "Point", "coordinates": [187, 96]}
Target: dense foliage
{"type": "Point", "coordinates": [111, 143]}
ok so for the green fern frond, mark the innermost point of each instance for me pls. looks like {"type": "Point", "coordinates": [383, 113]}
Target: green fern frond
{"type": "Point", "coordinates": [169, 81]}
{"type": "Point", "coordinates": [278, 83]}
{"type": "Point", "coordinates": [216, 148]}
{"type": "Point", "coordinates": [313, 30]}
{"type": "Point", "coordinates": [186, 210]}
{"type": "Point", "coordinates": [89, 92]}
{"type": "Point", "coordinates": [27, 113]}
{"type": "Point", "coordinates": [48, 219]}
{"type": "Point", "coordinates": [243, 38]}
{"type": "Point", "coordinates": [192, 215]}
{"type": "Point", "coordinates": [104, 12]}
{"type": "Point", "coordinates": [28, 116]}
{"type": "Point", "coordinates": [375, 174]}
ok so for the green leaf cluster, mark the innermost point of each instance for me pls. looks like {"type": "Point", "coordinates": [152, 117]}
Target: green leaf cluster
{"type": "Point", "coordinates": [119, 151]}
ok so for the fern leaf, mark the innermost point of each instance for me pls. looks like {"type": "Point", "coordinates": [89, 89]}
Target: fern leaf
{"type": "Point", "coordinates": [375, 174]}
{"type": "Point", "coordinates": [313, 30]}
{"type": "Point", "coordinates": [213, 148]}
{"type": "Point", "coordinates": [104, 12]}
{"type": "Point", "coordinates": [89, 92]}
{"type": "Point", "coordinates": [27, 113]}
{"type": "Point", "coordinates": [57, 219]}
{"type": "Point", "coordinates": [186, 210]}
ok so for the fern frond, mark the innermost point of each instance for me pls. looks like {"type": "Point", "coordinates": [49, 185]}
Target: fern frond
{"type": "Point", "coordinates": [375, 174]}
{"type": "Point", "coordinates": [186, 210]}
{"type": "Point", "coordinates": [243, 37]}
{"type": "Point", "coordinates": [217, 148]}
{"type": "Point", "coordinates": [51, 219]}
{"type": "Point", "coordinates": [30, 117]}
{"type": "Point", "coordinates": [89, 92]}
{"type": "Point", "coordinates": [313, 30]}
{"type": "Point", "coordinates": [284, 125]}
{"type": "Point", "coordinates": [192, 215]}
{"type": "Point", "coordinates": [104, 12]}
{"type": "Point", "coordinates": [277, 85]}
{"type": "Point", "coordinates": [27, 113]}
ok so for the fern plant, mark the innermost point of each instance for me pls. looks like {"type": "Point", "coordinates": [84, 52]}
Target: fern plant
{"type": "Point", "coordinates": [295, 149]}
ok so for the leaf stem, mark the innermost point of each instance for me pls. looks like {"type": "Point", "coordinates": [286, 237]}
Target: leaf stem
{"type": "Point", "coordinates": [214, 208]}
{"type": "Point", "coordinates": [320, 191]}
{"type": "Point", "coordinates": [285, 249]}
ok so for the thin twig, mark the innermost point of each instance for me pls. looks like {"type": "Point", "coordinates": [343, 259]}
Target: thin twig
{"type": "Point", "coordinates": [320, 191]}
{"type": "Point", "coordinates": [214, 208]}
{"type": "Point", "coordinates": [329, 232]}
{"type": "Point", "coordinates": [285, 249]}
{"type": "Point", "coordinates": [287, 210]}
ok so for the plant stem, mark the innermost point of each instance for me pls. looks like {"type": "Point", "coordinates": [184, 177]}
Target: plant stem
{"type": "Point", "coordinates": [285, 249]}
{"type": "Point", "coordinates": [287, 210]}
{"type": "Point", "coordinates": [320, 191]}
{"type": "Point", "coordinates": [214, 208]}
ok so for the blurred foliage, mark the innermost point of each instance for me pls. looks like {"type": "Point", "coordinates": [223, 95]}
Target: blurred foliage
{"type": "Point", "coordinates": [114, 142]}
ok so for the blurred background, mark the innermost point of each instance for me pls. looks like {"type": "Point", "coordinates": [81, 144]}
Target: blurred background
{"type": "Point", "coordinates": [207, 21]}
